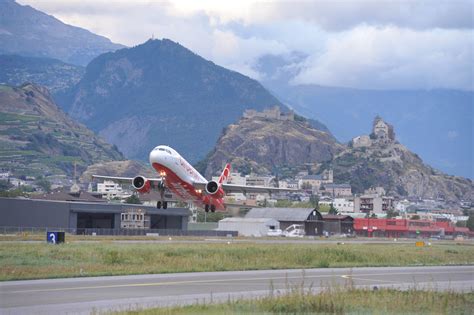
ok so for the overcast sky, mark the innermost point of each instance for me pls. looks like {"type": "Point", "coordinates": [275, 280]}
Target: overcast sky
{"type": "Point", "coordinates": [362, 44]}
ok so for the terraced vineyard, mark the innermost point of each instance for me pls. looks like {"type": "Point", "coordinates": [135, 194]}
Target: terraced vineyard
{"type": "Point", "coordinates": [37, 138]}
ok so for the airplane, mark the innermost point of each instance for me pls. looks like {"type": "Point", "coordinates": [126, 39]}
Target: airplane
{"type": "Point", "coordinates": [179, 177]}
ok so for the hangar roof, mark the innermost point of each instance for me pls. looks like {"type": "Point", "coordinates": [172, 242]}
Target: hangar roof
{"type": "Point", "coordinates": [247, 220]}
{"type": "Point", "coordinates": [281, 214]}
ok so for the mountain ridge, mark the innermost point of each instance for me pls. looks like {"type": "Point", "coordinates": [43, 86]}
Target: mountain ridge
{"type": "Point", "coordinates": [37, 138]}
{"type": "Point", "coordinates": [30, 32]}
{"type": "Point", "coordinates": [263, 145]}
{"type": "Point", "coordinates": [162, 93]}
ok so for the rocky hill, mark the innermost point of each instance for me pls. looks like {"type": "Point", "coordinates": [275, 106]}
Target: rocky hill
{"type": "Point", "coordinates": [38, 138]}
{"type": "Point", "coordinates": [29, 32]}
{"type": "Point", "coordinates": [53, 74]}
{"type": "Point", "coordinates": [263, 145]}
{"type": "Point", "coordinates": [162, 93]}
{"type": "Point", "coordinates": [379, 159]}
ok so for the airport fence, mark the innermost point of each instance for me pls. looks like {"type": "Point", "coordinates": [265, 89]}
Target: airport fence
{"type": "Point", "coordinates": [13, 230]}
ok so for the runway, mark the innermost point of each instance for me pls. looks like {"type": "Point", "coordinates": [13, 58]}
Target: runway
{"type": "Point", "coordinates": [97, 294]}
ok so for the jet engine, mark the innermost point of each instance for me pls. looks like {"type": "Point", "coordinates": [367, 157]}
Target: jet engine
{"type": "Point", "coordinates": [141, 184]}
{"type": "Point", "coordinates": [214, 189]}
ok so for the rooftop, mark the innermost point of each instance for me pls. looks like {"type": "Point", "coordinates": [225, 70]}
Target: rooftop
{"type": "Point", "coordinates": [280, 214]}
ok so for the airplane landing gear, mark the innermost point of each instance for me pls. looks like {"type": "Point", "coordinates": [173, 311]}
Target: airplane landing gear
{"type": "Point", "coordinates": [213, 208]}
{"type": "Point", "coordinates": [206, 208]}
{"type": "Point", "coordinates": [163, 204]}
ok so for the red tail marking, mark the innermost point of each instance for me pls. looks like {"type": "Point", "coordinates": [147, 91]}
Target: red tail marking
{"type": "Point", "coordinates": [225, 174]}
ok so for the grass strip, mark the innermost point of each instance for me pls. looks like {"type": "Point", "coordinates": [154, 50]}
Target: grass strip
{"type": "Point", "coordinates": [335, 301]}
{"type": "Point", "coordinates": [41, 260]}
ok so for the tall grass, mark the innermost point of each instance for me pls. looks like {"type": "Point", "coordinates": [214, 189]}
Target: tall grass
{"type": "Point", "coordinates": [41, 260]}
{"type": "Point", "coordinates": [335, 301]}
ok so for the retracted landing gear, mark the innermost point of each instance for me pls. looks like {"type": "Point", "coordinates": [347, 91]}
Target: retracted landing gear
{"type": "Point", "coordinates": [162, 202]}
{"type": "Point", "coordinates": [209, 207]}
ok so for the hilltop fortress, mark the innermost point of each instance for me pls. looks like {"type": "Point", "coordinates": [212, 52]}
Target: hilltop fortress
{"type": "Point", "coordinates": [270, 113]}
{"type": "Point", "coordinates": [382, 133]}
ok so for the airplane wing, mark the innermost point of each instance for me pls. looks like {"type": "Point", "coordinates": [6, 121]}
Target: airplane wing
{"type": "Point", "coordinates": [127, 180]}
{"type": "Point", "coordinates": [230, 188]}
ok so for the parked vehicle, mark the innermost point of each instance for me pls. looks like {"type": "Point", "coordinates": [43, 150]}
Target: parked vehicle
{"type": "Point", "coordinates": [275, 232]}
{"type": "Point", "coordinates": [295, 230]}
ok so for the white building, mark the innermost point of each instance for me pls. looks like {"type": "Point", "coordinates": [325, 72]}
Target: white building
{"type": "Point", "coordinates": [109, 189]}
{"type": "Point", "coordinates": [343, 205]}
{"type": "Point", "coordinates": [249, 226]}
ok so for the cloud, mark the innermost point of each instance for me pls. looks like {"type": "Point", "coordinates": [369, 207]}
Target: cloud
{"type": "Point", "coordinates": [365, 44]}
{"type": "Point", "coordinates": [393, 58]}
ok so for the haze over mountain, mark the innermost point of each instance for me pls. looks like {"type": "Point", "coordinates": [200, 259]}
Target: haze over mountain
{"type": "Point", "coordinates": [436, 124]}
{"type": "Point", "coordinates": [162, 93]}
{"type": "Point", "coordinates": [29, 32]}
{"type": "Point", "coordinates": [38, 138]}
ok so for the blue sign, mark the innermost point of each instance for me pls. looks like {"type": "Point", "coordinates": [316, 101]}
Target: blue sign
{"type": "Point", "coordinates": [52, 237]}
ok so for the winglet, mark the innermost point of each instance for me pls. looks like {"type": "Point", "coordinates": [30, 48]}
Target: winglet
{"type": "Point", "coordinates": [225, 174]}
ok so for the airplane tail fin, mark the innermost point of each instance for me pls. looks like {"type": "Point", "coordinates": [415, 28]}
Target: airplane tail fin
{"type": "Point", "coordinates": [225, 174]}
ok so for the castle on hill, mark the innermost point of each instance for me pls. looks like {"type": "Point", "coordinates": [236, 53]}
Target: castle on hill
{"type": "Point", "coordinates": [382, 132]}
{"type": "Point", "coordinates": [270, 113]}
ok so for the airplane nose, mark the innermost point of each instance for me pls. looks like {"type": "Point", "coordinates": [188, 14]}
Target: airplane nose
{"type": "Point", "coordinates": [154, 156]}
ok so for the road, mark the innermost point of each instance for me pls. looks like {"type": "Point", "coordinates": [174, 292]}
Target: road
{"type": "Point", "coordinates": [84, 295]}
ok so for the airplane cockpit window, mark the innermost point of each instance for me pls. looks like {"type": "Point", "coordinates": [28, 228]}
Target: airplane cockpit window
{"type": "Point", "coordinates": [164, 150]}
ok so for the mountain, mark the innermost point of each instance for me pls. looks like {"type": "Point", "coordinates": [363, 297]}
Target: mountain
{"type": "Point", "coordinates": [29, 32]}
{"type": "Point", "coordinates": [162, 93]}
{"type": "Point", "coordinates": [37, 138]}
{"type": "Point", "coordinates": [53, 74]}
{"type": "Point", "coordinates": [379, 159]}
{"type": "Point", "coordinates": [267, 145]}
{"type": "Point", "coordinates": [436, 124]}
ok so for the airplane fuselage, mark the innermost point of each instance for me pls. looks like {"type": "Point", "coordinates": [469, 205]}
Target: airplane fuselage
{"type": "Point", "coordinates": [179, 177]}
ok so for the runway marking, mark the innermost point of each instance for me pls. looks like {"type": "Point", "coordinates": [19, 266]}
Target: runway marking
{"type": "Point", "coordinates": [234, 279]}
{"type": "Point", "coordinates": [349, 277]}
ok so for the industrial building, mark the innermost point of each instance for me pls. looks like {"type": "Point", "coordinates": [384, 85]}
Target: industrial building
{"type": "Point", "coordinates": [313, 221]}
{"type": "Point", "coordinates": [249, 226]}
{"type": "Point", "coordinates": [84, 217]}
{"type": "Point", "coordinates": [407, 228]}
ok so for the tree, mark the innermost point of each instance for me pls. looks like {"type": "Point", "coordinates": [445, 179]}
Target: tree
{"type": "Point", "coordinates": [392, 214]}
{"type": "Point", "coordinates": [461, 223]}
{"type": "Point", "coordinates": [415, 217]}
{"type": "Point", "coordinates": [133, 199]}
{"type": "Point", "coordinates": [44, 184]}
{"type": "Point", "coordinates": [314, 200]}
{"type": "Point", "coordinates": [332, 210]}
{"type": "Point", "coordinates": [5, 185]}
{"type": "Point", "coordinates": [283, 203]}
{"type": "Point", "coordinates": [209, 217]}
{"type": "Point", "coordinates": [306, 186]}
{"type": "Point", "coordinates": [373, 216]}
{"type": "Point", "coordinates": [470, 223]}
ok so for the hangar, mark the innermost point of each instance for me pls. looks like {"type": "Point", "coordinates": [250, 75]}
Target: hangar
{"type": "Point", "coordinates": [85, 217]}
{"type": "Point", "coordinates": [310, 218]}
{"type": "Point", "coordinates": [314, 222]}
{"type": "Point", "coordinates": [249, 226]}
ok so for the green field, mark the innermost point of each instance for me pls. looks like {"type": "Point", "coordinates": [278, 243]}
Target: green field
{"type": "Point", "coordinates": [336, 301]}
{"type": "Point", "coordinates": [20, 260]}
